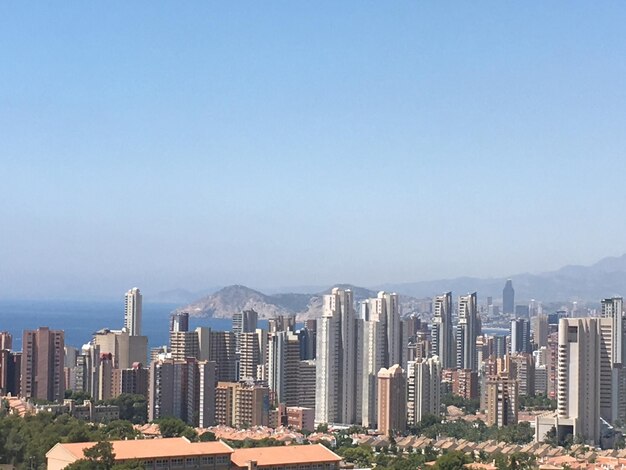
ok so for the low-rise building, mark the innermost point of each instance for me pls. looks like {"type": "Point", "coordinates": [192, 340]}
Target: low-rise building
{"type": "Point", "coordinates": [176, 452]}
{"type": "Point", "coordinates": [305, 457]}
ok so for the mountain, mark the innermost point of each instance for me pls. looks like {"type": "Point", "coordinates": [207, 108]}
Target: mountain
{"type": "Point", "coordinates": [605, 278]}
{"type": "Point", "coordinates": [229, 300]}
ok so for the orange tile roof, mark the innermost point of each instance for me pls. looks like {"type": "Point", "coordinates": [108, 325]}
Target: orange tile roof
{"type": "Point", "coordinates": [153, 448]}
{"type": "Point", "coordinates": [284, 455]}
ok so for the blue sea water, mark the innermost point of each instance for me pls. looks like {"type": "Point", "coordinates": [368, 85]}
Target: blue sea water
{"type": "Point", "coordinates": [80, 319]}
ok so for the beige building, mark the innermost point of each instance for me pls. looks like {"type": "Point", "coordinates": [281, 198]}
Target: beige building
{"type": "Point", "coordinates": [43, 360]}
{"type": "Point", "coordinates": [176, 452]}
{"type": "Point", "coordinates": [391, 399]}
{"type": "Point", "coordinates": [502, 400]}
{"type": "Point", "coordinates": [241, 404]}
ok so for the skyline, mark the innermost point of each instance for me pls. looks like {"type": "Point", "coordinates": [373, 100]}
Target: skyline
{"type": "Point", "coordinates": [283, 144]}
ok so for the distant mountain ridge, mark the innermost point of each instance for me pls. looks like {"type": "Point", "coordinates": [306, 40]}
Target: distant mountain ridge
{"type": "Point", "coordinates": [605, 278]}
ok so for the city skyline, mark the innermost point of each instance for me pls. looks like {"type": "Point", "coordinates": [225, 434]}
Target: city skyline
{"type": "Point", "coordinates": [223, 144]}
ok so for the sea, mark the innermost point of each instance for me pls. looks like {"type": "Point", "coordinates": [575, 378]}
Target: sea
{"type": "Point", "coordinates": [80, 319]}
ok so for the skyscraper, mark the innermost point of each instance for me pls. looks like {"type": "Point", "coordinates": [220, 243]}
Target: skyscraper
{"type": "Point", "coordinates": [520, 336]}
{"type": "Point", "coordinates": [613, 308]}
{"type": "Point", "coordinates": [585, 380]}
{"type": "Point", "coordinates": [132, 312]}
{"type": "Point", "coordinates": [424, 389]}
{"type": "Point", "coordinates": [244, 322]}
{"type": "Point", "coordinates": [179, 321]}
{"type": "Point", "coordinates": [539, 327]}
{"type": "Point", "coordinates": [283, 365]}
{"type": "Point", "coordinates": [337, 354]}
{"type": "Point", "coordinates": [442, 340]}
{"type": "Point", "coordinates": [508, 298]}
{"type": "Point", "coordinates": [467, 331]}
{"type": "Point", "coordinates": [374, 358]}
{"type": "Point", "coordinates": [43, 359]}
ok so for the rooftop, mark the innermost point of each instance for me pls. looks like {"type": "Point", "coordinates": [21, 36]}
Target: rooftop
{"type": "Point", "coordinates": [284, 455]}
{"type": "Point", "coordinates": [151, 448]}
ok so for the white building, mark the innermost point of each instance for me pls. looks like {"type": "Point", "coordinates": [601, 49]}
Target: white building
{"type": "Point", "coordinates": [337, 356]}
{"type": "Point", "coordinates": [442, 340]}
{"type": "Point", "coordinates": [132, 312]}
{"type": "Point", "coordinates": [466, 333]}
{"type": "Point", "coordinates": [423, 389]}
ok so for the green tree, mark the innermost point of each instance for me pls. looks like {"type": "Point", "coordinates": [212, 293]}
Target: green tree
{"type": "Point", "coordinates": [207, 436]}
{"type": "Point", "coordinates": [98, 457]}
{"type": "Point", "coordinates": [133, 408]}
{"type": "Point", "coordinates": [454, 460]}
{"type": "Point", "coordinates": [174, 427]}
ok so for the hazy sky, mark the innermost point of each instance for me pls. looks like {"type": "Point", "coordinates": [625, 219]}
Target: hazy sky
{"type": "Point", "coordinates": [193, 144]}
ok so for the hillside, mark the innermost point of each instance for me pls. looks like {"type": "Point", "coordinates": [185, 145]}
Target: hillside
{"type": "Point", "coordinates": [229, 300]}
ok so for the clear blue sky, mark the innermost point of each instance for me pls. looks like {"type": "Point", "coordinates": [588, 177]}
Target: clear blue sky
{"type": "Point", "coordinates": [193, 144]}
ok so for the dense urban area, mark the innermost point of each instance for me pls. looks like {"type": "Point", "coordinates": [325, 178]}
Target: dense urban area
{"type": "Point", "coordinates": [363, 386]}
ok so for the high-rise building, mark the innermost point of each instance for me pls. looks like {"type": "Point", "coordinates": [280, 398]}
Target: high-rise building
{"type": "Point", "coordinates": [105, 377]}
{"type": "Point", "coordinates": [124, 348]}
{"type": "Point", "coordinates": [282, 323]}
{"type": "Point", "coordinates": [221, 347]}
{"type": "Point", "coordinates": [391, 400]}
{"type": "Point", "coordinates": [424, 389]}
{"type": "Point", "coordinates": [249, 356]}
{"type": "Point", "coordinates": [613, 308]}
{"type": "Point", "coordinates": [375, 357]}
{"type": "Point", "coordinates": [10, 371]}
{"type": "Point", "coordinates": [508, 298]}
{"type": "Point", "coordinates": [467, 331]}
{"type": "Point", "coordinates": [465, 384]}
{"type": "Point", "coordinates": [584, 379]}
{"type": "Point", "coordinates": [6, 341]}
{"type": "Point", "coordinates": [337, 358]}
{"type": "Point", "coordinates": [307, 339]}
{"type": "Point", "coordinates": [182, 389]}
{"type": "Point", "coordinates": [283, 365]}
{"type": "Point", "coordinates": [241, 404]}
{"type": "Point", "coordinates": [502, 400]}
{"type": "Point", "coordinates": [132, 312]}
{"type": "Point", "coordinates": [520, 336]}
{"type": "Point", "coordinates": [539, 327]}
{"type": "Point", "coordinates": [306, 384]}
{"type": "Point", "coordinates": [179, 321]}
{"type": "Point", "coordinates": [133, 381]}
{"type": "Point", "coordinates": [244, 322]}
{"type": "Point", "coordinates": [522, 368]}
{"type": "Point", "coordinates": [184, 344]}
{"type": "Point", "coordinates": [442, 340]}
{"type": "Point", "coordinates": [43, 359]}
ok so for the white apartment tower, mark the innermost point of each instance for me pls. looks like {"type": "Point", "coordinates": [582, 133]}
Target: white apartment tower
{"type": "Point", "coordinates": [132, 312]}
{"type": "Point", "coordinates": [442, 340]}
{"type": "Point", "coordinates": [585, 379]}
{"type": "Point", "coordinates": [337, 354]}
{"type": "Point", "coordinates": [423, 389]}
{"type": "Point", "coordinates": [613, 308]}
{"type": "Point", "coordinates": [467, 331]}
{"type": "Point", "coordinates": [381, 348]}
